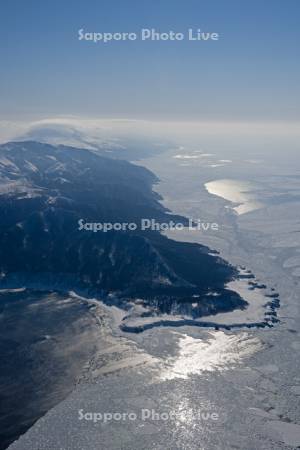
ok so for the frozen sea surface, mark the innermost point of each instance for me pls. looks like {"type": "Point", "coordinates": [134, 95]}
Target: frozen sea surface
{"type": "Point", "coordinates": [239, 192]}
{"type": "Point", "coordinates": [192, 388]}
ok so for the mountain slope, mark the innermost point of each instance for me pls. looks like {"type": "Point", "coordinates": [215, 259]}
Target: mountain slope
{"type": "Point", "coordinates": [45, 190]}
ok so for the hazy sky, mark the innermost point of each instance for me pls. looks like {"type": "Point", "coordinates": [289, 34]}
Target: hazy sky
{"type": "Point", "coordinates": [251, 73]}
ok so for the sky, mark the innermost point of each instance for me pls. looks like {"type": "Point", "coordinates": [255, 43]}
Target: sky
{"type": "Point", "coordinates": [251, 73]}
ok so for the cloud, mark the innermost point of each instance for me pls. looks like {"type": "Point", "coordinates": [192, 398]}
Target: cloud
{"type": "Point", "coordinates": [108, 133]}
